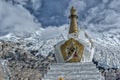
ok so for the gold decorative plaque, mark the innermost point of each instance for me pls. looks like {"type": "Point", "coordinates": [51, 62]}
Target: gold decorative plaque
{"type": "Point", "coordinates": [72, 50]}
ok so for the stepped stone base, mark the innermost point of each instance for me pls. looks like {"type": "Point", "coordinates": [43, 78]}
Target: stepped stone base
{"type": "Point", "coordinates": [73, 71]}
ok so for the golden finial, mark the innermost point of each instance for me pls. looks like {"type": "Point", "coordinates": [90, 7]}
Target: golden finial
{"type": "Point", "coordinates": [61, 78]}
{"type": "Point", "coordinates": [73, 11]}
{"type": "Point", "coordinates": [73, 22]}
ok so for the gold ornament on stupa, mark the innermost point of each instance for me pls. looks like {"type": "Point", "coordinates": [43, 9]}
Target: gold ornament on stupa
{"type": "Point", "coordinates": [72, 51]}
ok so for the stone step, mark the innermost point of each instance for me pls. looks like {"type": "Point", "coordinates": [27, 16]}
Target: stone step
{"type": "Point", "coordinates": [72, 64]}
{"type": "Point", "coordinates": [74, 78]}
{"type": "Point", "coordinates": [73, 72]}
{"type": "Point", "coordinates": [74, 68]}
{"type": "Point", "coordinates": [75, 63]}
{"type": "Point", "coordinates": [64, 66]}
{"type": "Point", "coordinates": [97, 78]}
{"type": "Point", "coordinates": [81, 75]}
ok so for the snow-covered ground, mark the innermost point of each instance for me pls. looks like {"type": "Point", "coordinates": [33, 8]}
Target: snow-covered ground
{"type": "Point", "coordinates": [23, 21]}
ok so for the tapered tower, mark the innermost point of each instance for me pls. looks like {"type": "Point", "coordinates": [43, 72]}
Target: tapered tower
{"type": "Point", "coordinates": [73, 30]}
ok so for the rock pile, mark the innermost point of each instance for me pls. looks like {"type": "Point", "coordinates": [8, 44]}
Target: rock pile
{"type": "Point", "coordinates": [111, 74]}
{"type": "Point", "coordinates": [22, 64]}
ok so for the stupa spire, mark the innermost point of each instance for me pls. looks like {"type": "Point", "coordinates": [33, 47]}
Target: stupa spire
{"type": "Point", "coordinates": [73, 30]}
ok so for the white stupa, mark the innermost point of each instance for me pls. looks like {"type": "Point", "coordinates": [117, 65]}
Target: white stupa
{"type": "Point", "coordinates": [74, 56]}
{"type": "Point", "coordinates": [74, 49]}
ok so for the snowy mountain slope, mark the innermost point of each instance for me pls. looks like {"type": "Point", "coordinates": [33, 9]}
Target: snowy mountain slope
{"type": "Point", "coordinates": [106, 54]}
